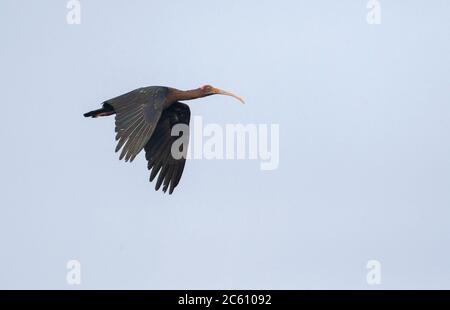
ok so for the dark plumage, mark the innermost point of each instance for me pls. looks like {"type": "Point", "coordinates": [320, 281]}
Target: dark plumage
{"type": "Point", "coordinates": [144, 120]}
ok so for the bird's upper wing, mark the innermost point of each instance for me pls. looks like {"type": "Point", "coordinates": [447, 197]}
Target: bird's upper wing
{"type": "Point", "coordinates": [159, 148]}
{"type": "Point", "coordinates": [137, 114]}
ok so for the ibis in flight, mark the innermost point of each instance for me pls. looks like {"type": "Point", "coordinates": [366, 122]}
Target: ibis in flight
{"type": "Point", "coordinates": [144, 119]}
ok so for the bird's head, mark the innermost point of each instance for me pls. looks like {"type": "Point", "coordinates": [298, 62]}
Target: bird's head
{"type": "Point", "coordinates": [208, 90]}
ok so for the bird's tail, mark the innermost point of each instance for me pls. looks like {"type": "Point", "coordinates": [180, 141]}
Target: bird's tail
{"type": "Point", "coordinates": [105, 111]}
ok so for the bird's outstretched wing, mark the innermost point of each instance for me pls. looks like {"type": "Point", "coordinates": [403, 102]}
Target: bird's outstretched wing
{"type": "Point", "coordinates": [137, 114]}
{"type": "Point", "coordinates": [158, 150]}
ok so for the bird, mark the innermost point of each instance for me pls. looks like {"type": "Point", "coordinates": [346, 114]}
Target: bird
{"type": "Point", "coordinates": [144, 119]}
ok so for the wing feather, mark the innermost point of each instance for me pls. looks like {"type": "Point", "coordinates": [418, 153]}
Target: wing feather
{"type": "Point", "coordinates": [159, 148]}
{"type": "Point", "coordinates": [137, 115]}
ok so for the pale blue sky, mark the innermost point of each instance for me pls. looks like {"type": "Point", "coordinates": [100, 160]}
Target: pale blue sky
{"type": "Point", "coordinates": [364, 145]}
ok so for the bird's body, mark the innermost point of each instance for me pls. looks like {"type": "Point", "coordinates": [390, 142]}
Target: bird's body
{"type": "Point", "coordinates": [144, 120]}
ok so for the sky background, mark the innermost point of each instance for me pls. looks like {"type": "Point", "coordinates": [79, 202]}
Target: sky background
{"type": "Point", "coordinates": [364, 167]}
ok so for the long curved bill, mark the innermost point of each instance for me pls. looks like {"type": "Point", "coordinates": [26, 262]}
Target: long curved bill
{"type": "Point", "coordinates": [225, 93]}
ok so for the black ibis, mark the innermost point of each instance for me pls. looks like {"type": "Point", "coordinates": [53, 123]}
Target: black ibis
{"type": "Point", "coordinates": [144, 120]}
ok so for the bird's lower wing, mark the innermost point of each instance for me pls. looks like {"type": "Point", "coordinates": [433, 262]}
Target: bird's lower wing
{"type": "Point", "coordinates": [137, 115]}
{"type": "Point", "coordinates": [161, 160]}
